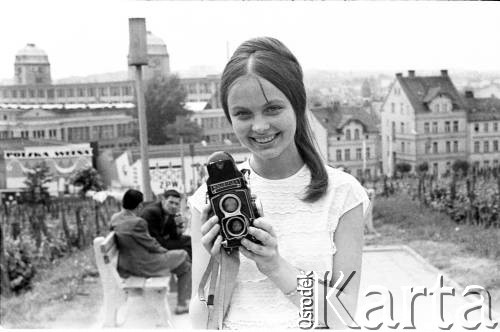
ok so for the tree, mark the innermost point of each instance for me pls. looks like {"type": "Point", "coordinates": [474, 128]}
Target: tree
{"type": "Point", "coordinates": [189, 130]}
{"type": "Point", "coordinates": [403, 168]}
{"type": "Point", "coordinates": [164, 98]}
{"type": "Point", "coordinates": [36, 179]}
{"type": "Point", "coordinates": [88, 179]}
{"type": "Point", "coordinates": [461, 166]}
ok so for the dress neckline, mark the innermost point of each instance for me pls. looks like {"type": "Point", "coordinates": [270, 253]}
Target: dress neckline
{"type": "Point", "coordinates": [301, 172]}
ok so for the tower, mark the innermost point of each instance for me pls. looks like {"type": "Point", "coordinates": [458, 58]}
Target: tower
{"type": "Point", "coordinates": [32, 66]}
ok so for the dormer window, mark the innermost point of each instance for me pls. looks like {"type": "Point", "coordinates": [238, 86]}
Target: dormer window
{"type": "Point", "coordinates": [348, 134]}
{"type": "Point", "coordinates": [356, 134]}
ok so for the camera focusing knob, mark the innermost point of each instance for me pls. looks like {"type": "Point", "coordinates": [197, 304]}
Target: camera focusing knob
{"type": "Point", "coordinates": [224, 243]}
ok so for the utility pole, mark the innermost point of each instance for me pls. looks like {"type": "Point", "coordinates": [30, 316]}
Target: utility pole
{"type": "Point", "coordinates": [138, 57]}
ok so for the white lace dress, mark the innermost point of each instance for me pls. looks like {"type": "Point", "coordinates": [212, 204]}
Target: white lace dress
{"type": "Point", "coordinates": [305, 239]}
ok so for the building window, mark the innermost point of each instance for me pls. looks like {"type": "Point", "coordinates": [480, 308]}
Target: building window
{"type": "Point", "coordinates": [455, 126]}
{"type": "Point", "coordinates": [14, 93]}
{"type": "Point", "coordinates": [348, 134]}
{"type": "Point", "coordinates": [402, 127]}
{"type": "Point", "coordinates": [81, 92]}
{"type": "Point", "coordinates": [347, 154]}
{"type": "Point", "coordinates": [455, 146]}
{"type": "Point", "coordinates": [403, 147]}
{"type": "Point", "coordinates": [31, 93]}
{"type": "Point", "coordinates": [435, 147]}
{"type": "Point", "coordinates": [23, 93]}
{"type": "Point", "coordinates": [356, 134]}
{"type": "Point", "coordinates": [393, 130]}
{"type": "Point", "coordinates": [393, 107]}
{"type": "Point", "coordinates": [486, 146]}
{"type": "Point", "coordinates": [486, 164]}
{"type": "Point", "coordinates": [447, 126]}
{"type": "Point", "coordinates": [359, 154]}
{"type": "Point", "coordinates": [476, 127]}
{"type": "Point", "coordinates": [495, 163]}
{"type": "Point", "coordinates": [495, 126]}
{"type": "Point", "coordinates": [60, 93]}
{"type": "Point", "coordinates": [427, 147]}
{"type": "Point", "coordinates": [41, 93]}
{"type": "Point", "coordinates": [115, 91]}
{"type": "Point", "coordinates": [359, 173]}
{"type": "Point", "coordinates": [434, 127]}
{"type": "Point", "coordinates": [435, 168]}
{"type": "Point", "coordinates": [70, 93]}
{"type": "Point", "coordinates": [126, 90]}
{"type": "Point", "coordinates": [367, 153]}
{"type": "Point", "coordinates": [445, 107]}
{"type": "Point", "coordinates": [339, 155]}
{"type": "Point", "coordinates": [495, 146]}
{"type": "Point", "coordinates": [50, 93]}
{"type": "Point", "coordinates": [401, 108]}
{"type": "Point", "coordinates": [486, 127]}
{"type": "Point", "coordinates": [91, 92]}
{"type": "Point", "coordinates": [476, 147]}
{"type": "Point", "coordinates": [426, 127]}
{"type": "Point", "coordinates": [437, 108]}
{"type": "Point", "coordinates": [448, 147]}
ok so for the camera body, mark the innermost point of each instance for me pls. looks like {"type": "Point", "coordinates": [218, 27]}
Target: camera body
{"type": "Point", "coordinates": [231, 199]}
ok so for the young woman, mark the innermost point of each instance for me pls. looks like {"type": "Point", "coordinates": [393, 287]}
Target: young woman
{"type": "Point", "coordinates": [313, 214]}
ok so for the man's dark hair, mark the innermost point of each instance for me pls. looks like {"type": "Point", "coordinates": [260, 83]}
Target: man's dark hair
{"type": "Point", "coordinates": [171, 192]}
{"type": "Point", "coordinates": [132, 199]}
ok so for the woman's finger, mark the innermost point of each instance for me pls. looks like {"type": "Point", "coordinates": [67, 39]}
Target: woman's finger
{"type": "Point", "coordinates": [208, 238]}
{"type": "Point", "coordinates": [253, 247]}
{"type": "Point", "coordinates": [247, 253]}
{"type": "Point", "coordinates": [262, 236]}
{"type": "Point", "coordinates": [217, 244]}
{"type": "Point", "coordinates": [205, 211]}
{"type": "Point", "coordinates": [209, 224]}
{"type": "Point", "coordinates": [262, 223]}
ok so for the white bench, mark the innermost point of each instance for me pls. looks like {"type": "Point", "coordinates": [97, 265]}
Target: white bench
{"type": "Point", "coordinates": [117, 291]}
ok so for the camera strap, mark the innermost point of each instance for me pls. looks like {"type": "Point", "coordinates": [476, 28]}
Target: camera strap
{"type": "Point", "coordinates": [222, 279]}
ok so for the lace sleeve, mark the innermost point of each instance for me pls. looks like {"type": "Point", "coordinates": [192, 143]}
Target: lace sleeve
{"type": "Point", "coordinates": [197, 200]}
{"type": "Point", "coordinates": [345, 197]}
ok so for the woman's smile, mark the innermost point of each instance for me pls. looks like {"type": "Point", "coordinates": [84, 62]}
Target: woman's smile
{"type": "Point", "coordinates": [264, 141]}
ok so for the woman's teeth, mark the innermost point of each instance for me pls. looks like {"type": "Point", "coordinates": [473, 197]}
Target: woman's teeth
{"type": "Point", "coordinates": [265, 140]}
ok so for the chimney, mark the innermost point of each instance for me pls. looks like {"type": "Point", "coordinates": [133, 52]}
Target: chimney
{"type": "Point", "coordinates": [399, 75]}
{"type": "Point", "coordinates": [444, 72]}
{"type": "Point", "coordinates": [411, 73]}
{"type": "Point", "coordinates": [469, 94]}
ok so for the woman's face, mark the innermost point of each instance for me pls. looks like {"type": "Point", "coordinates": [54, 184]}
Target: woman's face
{"type": "Point", "coordinates": [262, 117]}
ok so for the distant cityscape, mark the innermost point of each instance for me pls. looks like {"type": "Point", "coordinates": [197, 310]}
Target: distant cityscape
{"type": "Point", "coordinates": [365, 122]}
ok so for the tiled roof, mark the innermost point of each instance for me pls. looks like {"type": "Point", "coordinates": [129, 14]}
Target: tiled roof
{"type": "Point", "coordinates": [422, 89]}
{"type": "Point", "coordinates": [483, 109]}
{"type": "Point", "coordinates": [336, 117]}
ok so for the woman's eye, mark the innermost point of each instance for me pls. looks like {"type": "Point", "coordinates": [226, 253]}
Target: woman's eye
{"type": "Point", "coordinates": [274, 109]}
{"type": "Point", "coordinates": [242, 114]}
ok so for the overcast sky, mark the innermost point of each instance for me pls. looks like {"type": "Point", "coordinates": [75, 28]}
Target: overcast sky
{"type": "Point", "coordinates": [88, 37]}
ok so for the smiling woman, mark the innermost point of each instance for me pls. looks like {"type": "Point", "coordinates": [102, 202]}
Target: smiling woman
{"type": "Point", "coordinates": [313, 214]}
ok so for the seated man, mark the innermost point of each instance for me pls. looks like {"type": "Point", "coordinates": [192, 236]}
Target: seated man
{"type": "Point", "coordinates": [165, 224]}
{"type": "Point", "coordinates": [141, 255]}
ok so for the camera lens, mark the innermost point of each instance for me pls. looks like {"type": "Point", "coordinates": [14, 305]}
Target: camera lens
{"type": "Point", "coordinates": [235, 226]}
{"type": "Point", "coordinates": [230, 204]}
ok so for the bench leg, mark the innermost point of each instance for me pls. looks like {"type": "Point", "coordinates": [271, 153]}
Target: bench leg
{"type": "Point", "coordinates": [112, 303]}
{"type": "Point", "coordinates": [158, 298]}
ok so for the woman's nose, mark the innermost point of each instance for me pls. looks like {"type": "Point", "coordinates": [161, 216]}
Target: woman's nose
{"type": "Point", "coordinates": [260, 125]}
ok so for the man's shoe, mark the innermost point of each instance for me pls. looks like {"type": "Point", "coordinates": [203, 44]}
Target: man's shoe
{"type": "Point", "coordinates": [181, 309]}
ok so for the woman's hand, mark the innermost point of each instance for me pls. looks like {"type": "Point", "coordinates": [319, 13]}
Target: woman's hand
{"type": "Point", "coordinates": [266, 255]}
{"type": "Point", "coordinates": [210, 236]}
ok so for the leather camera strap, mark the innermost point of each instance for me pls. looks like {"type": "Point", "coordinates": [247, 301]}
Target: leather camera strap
{"type": "Point", "coordinates": [222, 279]}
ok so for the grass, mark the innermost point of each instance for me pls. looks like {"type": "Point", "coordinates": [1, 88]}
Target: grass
{"type": "Point", "coordinates": [468, 254]}
{"type": "Point", "coordinates": [66, 294]}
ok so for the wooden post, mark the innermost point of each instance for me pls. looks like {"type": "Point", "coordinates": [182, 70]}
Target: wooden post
{"type": "Point", "coordinates": [138, 58]}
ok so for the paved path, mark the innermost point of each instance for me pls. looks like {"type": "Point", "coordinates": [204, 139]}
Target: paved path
{"type": "Point", "coordinates": [395, 269]}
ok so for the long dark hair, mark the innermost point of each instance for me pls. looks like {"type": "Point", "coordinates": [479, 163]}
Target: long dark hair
{"type": "Point", "coordinates": [273, 61]}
